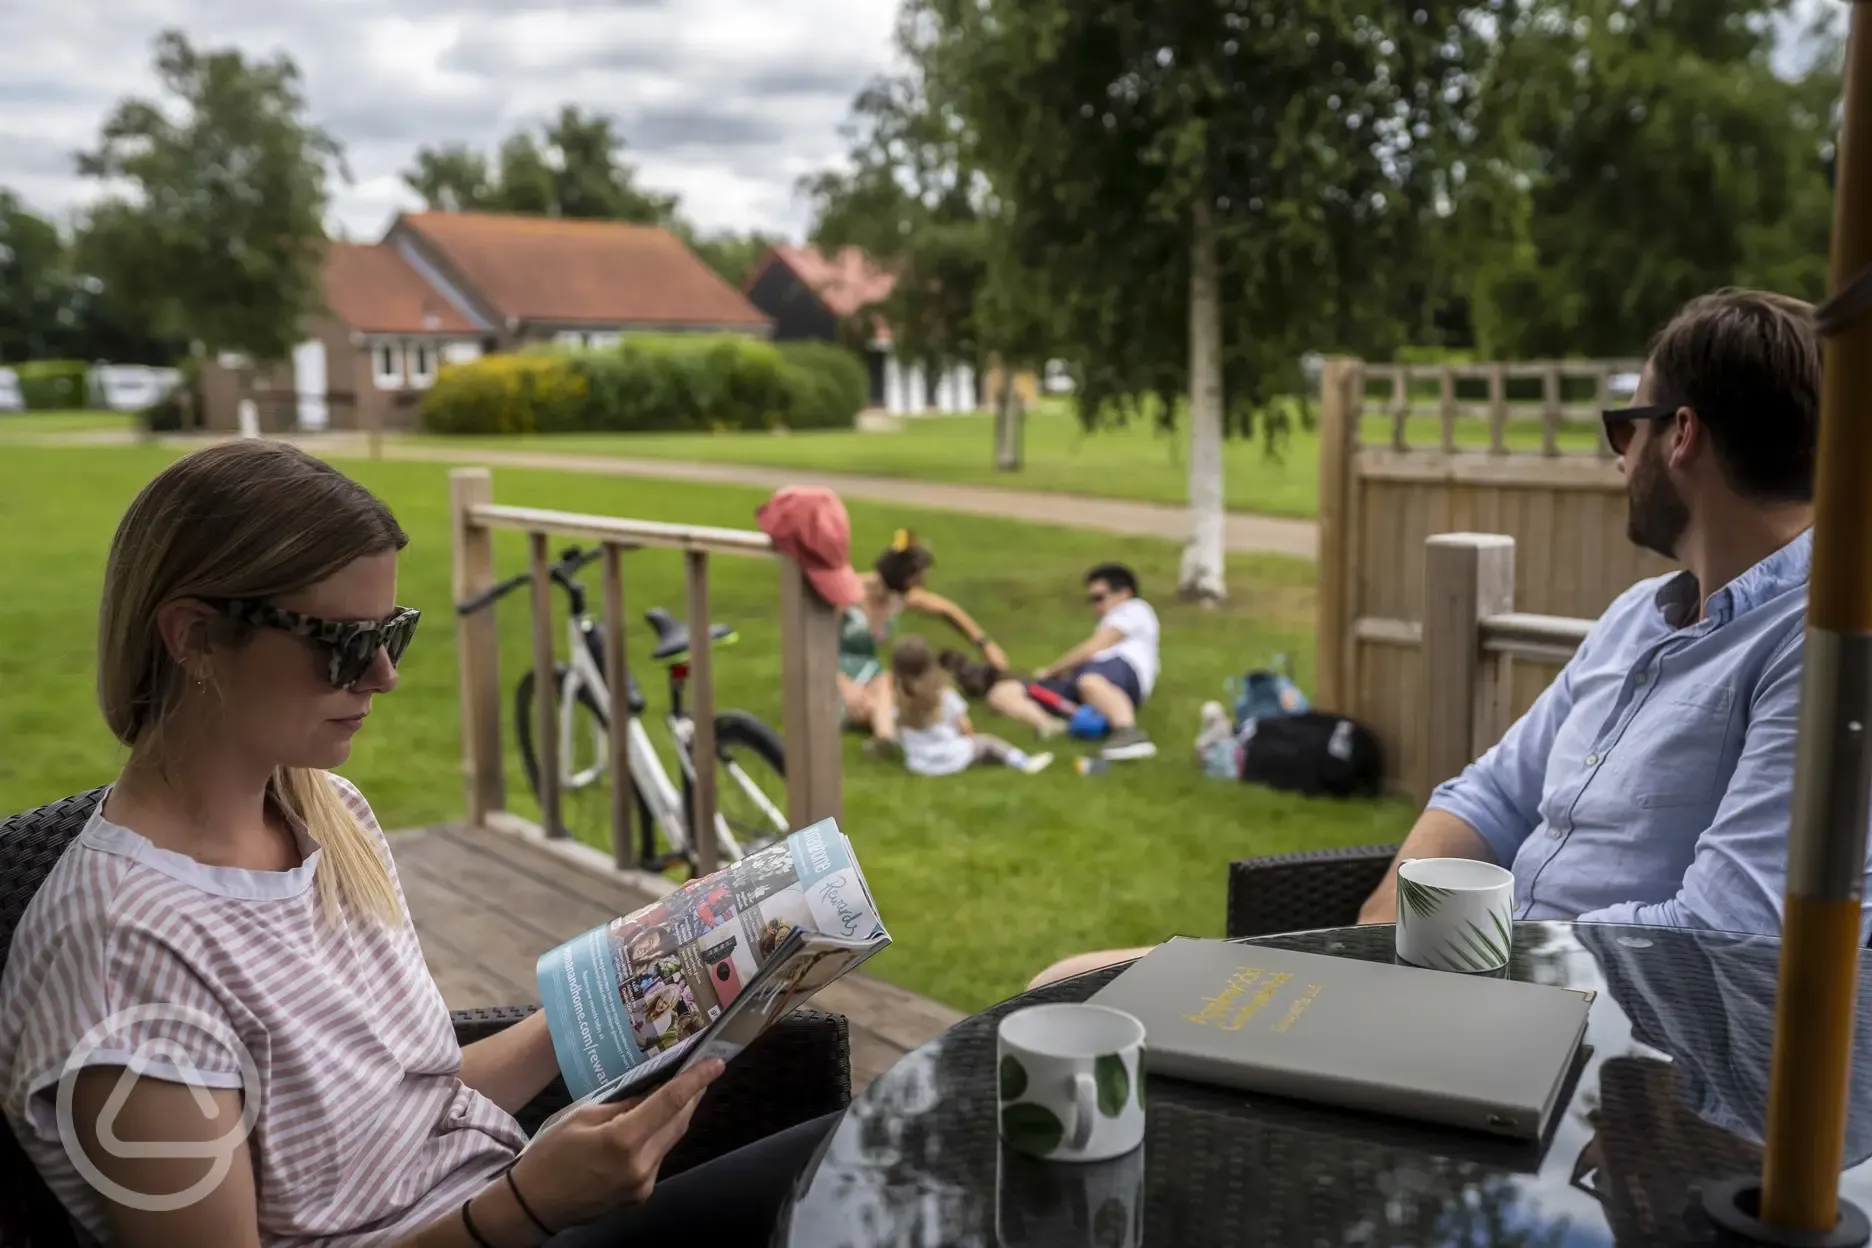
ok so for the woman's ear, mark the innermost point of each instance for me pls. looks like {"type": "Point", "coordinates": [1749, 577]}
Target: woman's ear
{"type": "Point", "coordinates": [186, 628]}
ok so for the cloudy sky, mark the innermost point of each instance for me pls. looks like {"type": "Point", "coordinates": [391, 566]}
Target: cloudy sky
{"type": "Point", "coordinates": [726, 101]}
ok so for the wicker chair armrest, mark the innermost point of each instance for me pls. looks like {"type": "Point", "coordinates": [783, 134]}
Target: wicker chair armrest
{"type": "Point", "coordinates": [1304, 891]}
{"type": "Point", "coordinates": [798, 1070]}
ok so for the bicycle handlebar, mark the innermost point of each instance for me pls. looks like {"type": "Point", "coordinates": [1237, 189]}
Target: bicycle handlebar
{"type": "Point", "coordinates": [571, 559]}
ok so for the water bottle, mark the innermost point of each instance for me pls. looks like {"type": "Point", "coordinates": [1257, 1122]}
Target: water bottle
{"type": "Point", "coordinates": [1092, 765]}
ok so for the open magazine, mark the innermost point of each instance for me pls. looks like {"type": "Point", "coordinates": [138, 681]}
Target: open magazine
{"type": "Point", "coordinates": [702, 972]}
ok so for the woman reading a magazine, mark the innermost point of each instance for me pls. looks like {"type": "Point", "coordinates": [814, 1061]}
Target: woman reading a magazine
{"type": "Point", "coordinates": [221, 966]}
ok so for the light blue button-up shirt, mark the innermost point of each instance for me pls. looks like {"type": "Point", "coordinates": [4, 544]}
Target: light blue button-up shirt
{"type": "Point", "coordinates": [1653, 780]}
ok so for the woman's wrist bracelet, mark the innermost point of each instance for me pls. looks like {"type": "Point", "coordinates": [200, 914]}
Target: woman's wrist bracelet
{"type": "Point", "coordinates": [525, 1208]}
{"type": "Point", "coordinates": [468, 1223]}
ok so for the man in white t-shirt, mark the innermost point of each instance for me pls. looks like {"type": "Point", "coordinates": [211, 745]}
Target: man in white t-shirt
{"type": "Point", "coordinates": [1113, 670]}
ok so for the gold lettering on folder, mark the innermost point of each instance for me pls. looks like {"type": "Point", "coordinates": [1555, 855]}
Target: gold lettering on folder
{"type": "Point", "coordinates": [1260, 999]}
{"type": "Point", "coordinates": [1218, 1006]}
{"type": "Point", "coordinates": [1298, 1008]}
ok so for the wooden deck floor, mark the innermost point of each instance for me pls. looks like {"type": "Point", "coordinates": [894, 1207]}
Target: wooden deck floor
{"type": "Point", "coordinates": [487, 904]}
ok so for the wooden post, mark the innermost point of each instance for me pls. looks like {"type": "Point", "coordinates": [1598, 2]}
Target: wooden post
{"type": "Point", "coordinates": [1497, 409]}
{"type": "Point", "coordinates": [1446, 408]}
{"type": "Point", "coordinates": [477, 645]}
{"type": "Point", "coordinates": [1341, 398]}
{"type": "Point", "coordinates": [1400, 408]}
{"type": "Point", "coordinates": [1602, 396]}
{"type": "Point", "coordinates": [1550, 410]}
{"type": "Point", "coordinates": [1467, 577]}
{"type": "Point", "coordinates": [545, 686]}
{"type": "Point", "coordinates": [809, 700]}
{"type": "Point", "coordinates": [1811, 1078]}
{"type": "Point", "coordinates": [702, 713]}
{"type": "Point", "coordinates": [617, 680]}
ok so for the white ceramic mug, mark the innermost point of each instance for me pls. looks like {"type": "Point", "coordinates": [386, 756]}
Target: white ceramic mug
{"type": "Point", "coordinates": [1072, 1082]}
{"type": "Point", "coordinates": [1454, 914]}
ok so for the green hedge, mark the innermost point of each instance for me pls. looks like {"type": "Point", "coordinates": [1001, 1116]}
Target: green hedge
{"type": "Point", "coordinates": [651, 383]}
{"type": "Point", "coordinates": [832, 386]}
{"type": "Point", "coordinates": [53, 385]}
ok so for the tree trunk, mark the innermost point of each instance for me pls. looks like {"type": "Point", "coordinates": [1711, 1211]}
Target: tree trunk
{"type": "Point", "coordinates": [1008, 424]}
{"type": "Point", "coordinates": [1201, 576]}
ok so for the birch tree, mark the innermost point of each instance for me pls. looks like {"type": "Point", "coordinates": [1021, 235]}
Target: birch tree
{"type": "Point", "coordinates": [1209, 189]}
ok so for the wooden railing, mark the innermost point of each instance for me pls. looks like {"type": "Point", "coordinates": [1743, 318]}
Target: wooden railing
{"type": "Point", "coordinates": [809, 649]}
{"type": "Point", "coordinates": [1471, 637]}
{"type": "Point", "coordinates": [1551, 409]}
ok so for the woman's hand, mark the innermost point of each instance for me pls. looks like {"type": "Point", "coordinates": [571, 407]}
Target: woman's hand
{"type": "Point", "coordinates": [996, 656]}
{"type": "Point", "coordinates": [604, 1156]}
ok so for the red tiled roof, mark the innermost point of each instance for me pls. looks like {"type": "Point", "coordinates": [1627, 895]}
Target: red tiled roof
{"type": "Point", "coordinates": [374, 291]}
{"type": "Point", "coordinates": [582, 272]}
{"type": "Point", "coordinates": [844, 282]}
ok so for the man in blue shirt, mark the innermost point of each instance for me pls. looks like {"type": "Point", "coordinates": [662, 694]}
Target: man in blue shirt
{"type": "Point", "coordinates": [1652, 781]}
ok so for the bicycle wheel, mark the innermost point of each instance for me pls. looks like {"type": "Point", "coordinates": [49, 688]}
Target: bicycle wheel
{"type": "Point", "coordinates": [750, 784]}
{"type": "Point", "coordinates": [585, 778]}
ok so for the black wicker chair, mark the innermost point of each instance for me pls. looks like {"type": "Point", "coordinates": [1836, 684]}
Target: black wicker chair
{"type": "Point", "coordinates": [1304, 891]}
{"type": "Point", "coordinates": [799, 1070]}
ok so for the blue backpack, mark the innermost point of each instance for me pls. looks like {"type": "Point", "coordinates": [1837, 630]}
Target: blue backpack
{"type": "Point", "coordinates": [1267, 693]}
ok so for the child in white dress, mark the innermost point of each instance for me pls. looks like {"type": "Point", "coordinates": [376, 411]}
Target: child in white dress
{"type": "Point", "coordinates": [932, 720]}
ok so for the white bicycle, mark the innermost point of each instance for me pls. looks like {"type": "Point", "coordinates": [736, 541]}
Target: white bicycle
{"type": "Point", "coordinates": [749, 756]}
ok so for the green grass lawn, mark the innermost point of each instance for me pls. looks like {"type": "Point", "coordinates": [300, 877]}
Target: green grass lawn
{"type": "Point", "coordinates": [84, 421]}
{"type": "Point", "coordinates": [1135, 461]}
{"type": "Point", "coordinates": [982, 878]}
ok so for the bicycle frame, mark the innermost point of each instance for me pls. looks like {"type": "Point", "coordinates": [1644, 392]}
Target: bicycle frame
{"type": "Point", "coordinates": [651, 779]}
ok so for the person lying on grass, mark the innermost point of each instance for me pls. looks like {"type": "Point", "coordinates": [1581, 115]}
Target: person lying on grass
{"type": "Point", "coordinates": [222, 968]}
{"type": "Point", "coordinates": [932, 720]}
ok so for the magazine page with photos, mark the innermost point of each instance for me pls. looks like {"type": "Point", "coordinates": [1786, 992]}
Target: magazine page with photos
{"type": "Point", "coordinates": [803, 963]}
{"type": "Point", "coordinates": [646, 985]}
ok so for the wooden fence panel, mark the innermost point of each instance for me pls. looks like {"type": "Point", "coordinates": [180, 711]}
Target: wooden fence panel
{"type": "Point", "coordinates": [1416, 473]}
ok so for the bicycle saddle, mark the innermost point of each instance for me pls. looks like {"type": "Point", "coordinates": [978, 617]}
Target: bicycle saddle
{"type": "Point", "coordinates": [673, 635]}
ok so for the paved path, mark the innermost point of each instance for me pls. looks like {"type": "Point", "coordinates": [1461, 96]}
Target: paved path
{"type": "Point", "coordinates": [1245, 534]}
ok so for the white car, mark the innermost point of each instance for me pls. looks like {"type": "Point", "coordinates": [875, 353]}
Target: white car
{"type": "Point", "coordinates": [10, 398]}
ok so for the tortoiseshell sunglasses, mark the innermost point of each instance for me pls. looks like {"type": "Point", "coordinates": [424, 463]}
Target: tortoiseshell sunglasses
{"type": "Point", "coordinates": [350, 645]}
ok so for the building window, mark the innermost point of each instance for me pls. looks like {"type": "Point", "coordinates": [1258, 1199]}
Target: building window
{"type": "Point", "coordinates": [387, 365]}
{"type": "Point", "coordinates": [421, 364]}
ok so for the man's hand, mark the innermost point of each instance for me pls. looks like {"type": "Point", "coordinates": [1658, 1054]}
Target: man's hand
{"type": "Point", "coordinates": [996, 656]}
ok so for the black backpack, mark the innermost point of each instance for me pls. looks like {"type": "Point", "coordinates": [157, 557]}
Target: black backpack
{"type": "Point", "coordinates": [1314, 753]}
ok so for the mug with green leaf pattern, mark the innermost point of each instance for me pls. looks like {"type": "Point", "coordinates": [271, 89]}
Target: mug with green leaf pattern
{"type": "Point", "coordinates": [1071, 1082]}
{"type": "Point", "coordinates": [1454, 914]}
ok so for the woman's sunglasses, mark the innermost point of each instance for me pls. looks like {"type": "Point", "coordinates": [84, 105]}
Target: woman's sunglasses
{"type": "Point", "coordinates": [351, 646]}
{"type": "Point", "coordinates": [1622, 422]}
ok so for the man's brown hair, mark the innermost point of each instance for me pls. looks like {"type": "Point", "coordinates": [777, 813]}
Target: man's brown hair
{"type": "Point", "coordinates": [1747, 362]}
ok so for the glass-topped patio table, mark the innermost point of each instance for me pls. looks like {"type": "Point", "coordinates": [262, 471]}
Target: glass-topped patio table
{"type": "Point", "coordinates": [1668, 1100]}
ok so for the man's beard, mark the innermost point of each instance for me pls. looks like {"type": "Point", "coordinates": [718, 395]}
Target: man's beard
{"type": "Point", "coordinates": [1655, 516]}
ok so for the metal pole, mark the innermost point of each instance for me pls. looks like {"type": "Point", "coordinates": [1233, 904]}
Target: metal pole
{"type": "Point", "coordinates": [1808, 1084]}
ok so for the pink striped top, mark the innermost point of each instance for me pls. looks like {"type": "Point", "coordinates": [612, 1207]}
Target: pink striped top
{"type": "Point", "coordinates": [364, 1130]}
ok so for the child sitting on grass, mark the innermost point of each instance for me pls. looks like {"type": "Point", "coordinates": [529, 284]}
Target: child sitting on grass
{"type": "Point", "coordinates": [932, 720]}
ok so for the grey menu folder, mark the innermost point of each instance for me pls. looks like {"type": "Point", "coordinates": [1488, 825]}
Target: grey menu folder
{"type": "Point", "coordinates": [1488, 1054]}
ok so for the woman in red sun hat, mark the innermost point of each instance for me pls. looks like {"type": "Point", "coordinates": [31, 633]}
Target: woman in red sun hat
{"type": "Point", "coordinates": [810, 526]}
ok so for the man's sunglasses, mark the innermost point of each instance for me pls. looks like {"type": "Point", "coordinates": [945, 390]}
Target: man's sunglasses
{"type": "Point", "coordinates": [1622, 422]}
{"type": "Point", "coordinates": [350, 645]}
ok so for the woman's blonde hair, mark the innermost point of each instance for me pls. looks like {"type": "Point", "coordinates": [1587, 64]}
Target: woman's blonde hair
{"type": "Point", "coordinates": [248, 519]}
{"type": "Point", "coordinates": [920, 682]}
